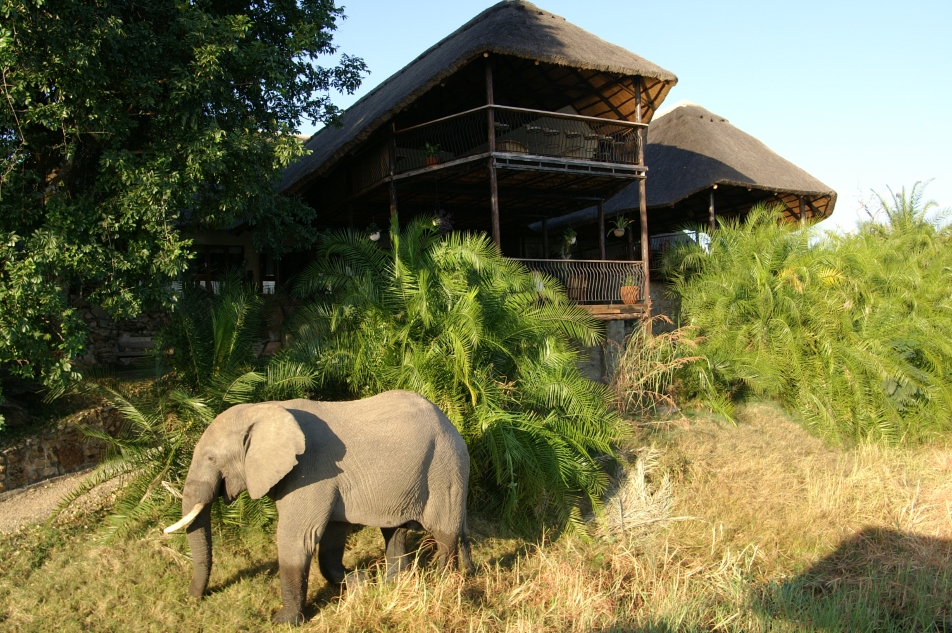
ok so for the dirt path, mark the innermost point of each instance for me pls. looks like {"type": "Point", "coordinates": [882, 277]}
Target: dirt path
{"type": "Point", "coordinates": [34, 504]}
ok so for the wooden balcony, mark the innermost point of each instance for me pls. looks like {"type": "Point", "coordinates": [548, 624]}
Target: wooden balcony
{"type": "Point", "coordinates": [544, 161]}
{"type": "Point", "coordinates": [539, 139]}
{"type": "Point", "coordinates": [609, 290]}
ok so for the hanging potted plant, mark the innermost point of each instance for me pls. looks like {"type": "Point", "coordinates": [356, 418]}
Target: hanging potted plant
{"type": "Point", "coordinates": [568, 239]}
{"type": "Point", "coordinates": [630, 291]}
{"type": "Point", "coordinates": [620, 224]}
{"type": "Point", "coordinates": [431, 154]}
{"type": "Point", "coordinates": [373, 232]}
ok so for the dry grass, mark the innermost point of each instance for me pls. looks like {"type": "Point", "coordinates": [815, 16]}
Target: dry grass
{"type": "Point", "coordinates": [754, 527]}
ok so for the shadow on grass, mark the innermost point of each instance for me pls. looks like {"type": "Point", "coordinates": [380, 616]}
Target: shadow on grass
{"type": "Point", "coordinates": [877, 580]}
{"type": "Point", "coordinates": [270, 568]}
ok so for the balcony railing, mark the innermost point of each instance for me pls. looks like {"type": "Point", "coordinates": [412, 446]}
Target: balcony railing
{"type": "Point", "coordinates": [592, 281]}
{"type": "Point", "coordinates": [517, 131]}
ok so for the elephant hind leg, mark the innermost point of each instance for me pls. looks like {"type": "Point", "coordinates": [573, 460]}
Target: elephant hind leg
{"type": "Point", "coordinates": [447, 546]}
{"type": "Point", "coordinates": [466, 556]}
{"type": "Point", "coordinates": [330, 552]}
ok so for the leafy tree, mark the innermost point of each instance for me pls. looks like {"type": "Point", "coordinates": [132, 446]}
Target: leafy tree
{"type": "Point", "coordinates": [479, 335]}
{"type": "Point", "coordinates": [122, 123]}
{"type": "Point", "coordinates": [849, 331]}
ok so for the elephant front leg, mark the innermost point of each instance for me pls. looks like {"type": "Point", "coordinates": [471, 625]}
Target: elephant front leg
{"type": "Point", "coordinates": [330, 554]}
{"type": "Point", "coordinates": [397, 561]}
{"type": "Point", "coordinates": [294, 561]}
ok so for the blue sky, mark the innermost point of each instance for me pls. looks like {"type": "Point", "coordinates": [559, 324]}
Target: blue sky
{"type": "Point", "coordinates": [859, 94]}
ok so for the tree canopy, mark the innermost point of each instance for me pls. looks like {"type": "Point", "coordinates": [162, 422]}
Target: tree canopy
{"type": "Point", "coordinates": [122, 123]}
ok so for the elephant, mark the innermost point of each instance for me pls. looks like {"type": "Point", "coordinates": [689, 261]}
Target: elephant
{"type": "Point", "coordinates": [392, 461]}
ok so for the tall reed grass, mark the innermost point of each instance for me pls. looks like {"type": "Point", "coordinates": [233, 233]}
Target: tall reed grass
{"type": "Point", "coordinates": [848, 331]}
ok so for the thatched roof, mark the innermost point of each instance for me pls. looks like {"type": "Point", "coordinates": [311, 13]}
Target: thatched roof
{"type": "Point", "coordinates": [691, 149]}
{"type": "Point", "coordinates": [512, 27]}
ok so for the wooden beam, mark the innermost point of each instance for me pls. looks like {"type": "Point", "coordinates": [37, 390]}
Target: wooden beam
{"type": "Point", "coordinates": [803, 211]}
{"type": "Point", "coordinates": [601, 228]}
{"type": "Point", "coordinates": [493, 185]}
{"type": "Point", "coordinates": [616, 312]}
{"type": "Point", "coordinates": [598, 93]}
{"type": "Point", "coordinates": [643, 210]}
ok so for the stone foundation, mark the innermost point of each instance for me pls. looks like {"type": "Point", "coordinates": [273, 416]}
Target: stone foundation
{"type": "Point", "coordinates": [57, 451]}
{"type": "Point", "coordinates": [599, 362]}
{"type": "Point", "coordinates": [111, 342]}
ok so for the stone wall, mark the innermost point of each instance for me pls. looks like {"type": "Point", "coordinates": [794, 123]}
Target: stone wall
{"type": "Point", "coordinates": [57, 451]}
{"type": "Point", "coordinates": [663, 303]}
{"type": "Point", "coordinates": [112, 342]}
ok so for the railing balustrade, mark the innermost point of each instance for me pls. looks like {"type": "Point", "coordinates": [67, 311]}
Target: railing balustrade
{"type": "Point", "coordinates": [592, 281]}
{"type": "Point", "coordinates": [664, 241]}
{"type": "Point", "coordinates": [517, 131]}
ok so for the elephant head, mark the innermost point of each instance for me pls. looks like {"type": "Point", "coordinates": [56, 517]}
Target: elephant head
{"type": "Point", "coordinates": [249, 448]}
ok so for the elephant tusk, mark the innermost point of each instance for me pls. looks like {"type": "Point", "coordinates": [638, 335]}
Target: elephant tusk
{"type": "Point", "coordinates": [186, 520]}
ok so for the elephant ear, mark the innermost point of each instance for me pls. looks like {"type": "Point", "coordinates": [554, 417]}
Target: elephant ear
{"type": "Point", "coordinates": [274, 442]}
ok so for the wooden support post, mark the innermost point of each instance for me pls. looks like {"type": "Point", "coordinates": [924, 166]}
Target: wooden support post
{"type": "Point", "coordinates": [630, 254]}
{"type": "Point", "coordinates": [545, 238]}
{"type": "Point", "coordinates": [493, 186]}
{"type": "Point", "coordinates": [803, 212]}
{"type": "Point", "coordinates": [393, 162]}
{"type": "Point", "coordinates": [601, 227]}
{"type": "Point", "coordinates": [643, 210]}
{"type": "Point", "coordinates": [712, 223]}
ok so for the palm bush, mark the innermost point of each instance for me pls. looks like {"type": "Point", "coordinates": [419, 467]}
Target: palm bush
{"type": "Point", "coordinates": [493, 345]}
{"type": "Point", "coordinates": [205, 364]}
{"type": "Point", "coordinates": [849, 331]}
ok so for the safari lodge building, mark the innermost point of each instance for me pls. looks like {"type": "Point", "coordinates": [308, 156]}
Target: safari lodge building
{"type": "Point", "coordinates": [514, 124]}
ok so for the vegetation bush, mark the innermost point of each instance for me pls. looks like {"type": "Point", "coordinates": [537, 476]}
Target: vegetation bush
{"type": "Point", "coordinates": [849, 331]}
{"type": "Point", "coordinates": [492, 344]}
{"type": "Point", "coordinates": [205, 364]}
{"type": "Point", "coordinates": [660, 373]}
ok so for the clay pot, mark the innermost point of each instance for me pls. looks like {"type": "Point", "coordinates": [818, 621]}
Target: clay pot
{"type": "Point", "coordinates": [630, 295]}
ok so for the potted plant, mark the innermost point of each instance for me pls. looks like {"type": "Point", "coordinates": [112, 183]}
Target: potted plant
{"type": "Point", "coordinates": [630, 291]}
{"type": "Point", "coordinates": [373, 232]}
{"type": "Point", "coordinates": [569, 236]}
{"type": "Point", "coordinates": [431, 154]}
{"type": "Point", "coordinates": [620, 224]}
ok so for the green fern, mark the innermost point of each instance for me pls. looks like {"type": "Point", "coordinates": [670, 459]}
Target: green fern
{"type": "Point", "coordinates": [450, 318]}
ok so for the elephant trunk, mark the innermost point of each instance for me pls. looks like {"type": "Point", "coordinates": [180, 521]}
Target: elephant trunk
{"type": "Point", "coordinates": [199, 534]}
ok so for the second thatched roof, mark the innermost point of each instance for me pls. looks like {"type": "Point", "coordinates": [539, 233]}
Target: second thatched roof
{"type": "Point", "coordinates": [691, 150]}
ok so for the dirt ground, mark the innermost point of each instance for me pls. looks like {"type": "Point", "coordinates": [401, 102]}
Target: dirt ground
{"type": "Point", "coordinates": [34, 504]}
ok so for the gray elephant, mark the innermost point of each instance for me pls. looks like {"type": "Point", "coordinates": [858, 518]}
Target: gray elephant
{"type": "Point", "coordinates": [392, 461]}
